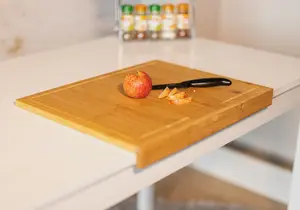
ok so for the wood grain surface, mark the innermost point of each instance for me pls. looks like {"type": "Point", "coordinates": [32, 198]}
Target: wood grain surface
{"type": "Point", "coordinates": [151, 127]}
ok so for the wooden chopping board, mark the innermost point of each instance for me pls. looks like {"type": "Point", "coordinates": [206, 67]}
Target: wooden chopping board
{"type": "Point", "coordinates": [151, 127]}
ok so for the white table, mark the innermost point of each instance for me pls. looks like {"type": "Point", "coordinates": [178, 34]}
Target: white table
{"type": "Point", "coordinates": [48, 166]}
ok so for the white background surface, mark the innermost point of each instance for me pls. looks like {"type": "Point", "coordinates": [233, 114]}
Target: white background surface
{"type": "Point", "coordinates": [53, 161]}
{"type": "Point", "coordinates": [266, 24]}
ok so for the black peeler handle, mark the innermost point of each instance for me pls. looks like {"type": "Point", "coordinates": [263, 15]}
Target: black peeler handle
{"type": "Point", "coordinates": [207, 82]}
{"type": "Point", "coordinates": [203, 82]}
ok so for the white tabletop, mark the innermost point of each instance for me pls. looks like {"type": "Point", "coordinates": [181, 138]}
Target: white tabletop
{"type": "Point", "coordinates": [41, 160]}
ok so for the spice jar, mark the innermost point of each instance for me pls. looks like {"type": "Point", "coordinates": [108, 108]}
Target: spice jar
{"type": "Point", "coordinates": [155, 23]}
{"type": "Point", "coordinates": [168, 22]}
{"type": "Point", "coordinates": [127, 22]}
{"type": "Point", "coordinates": [183, 26]}
{"type": "Point", "coordinates": [140, 21]}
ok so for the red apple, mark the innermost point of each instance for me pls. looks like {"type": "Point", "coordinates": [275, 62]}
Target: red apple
{"type": "Point", "coordinates": [137, 85]}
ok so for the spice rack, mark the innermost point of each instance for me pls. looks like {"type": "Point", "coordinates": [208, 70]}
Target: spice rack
{"type": "Point", "coordinates": [132, 30]}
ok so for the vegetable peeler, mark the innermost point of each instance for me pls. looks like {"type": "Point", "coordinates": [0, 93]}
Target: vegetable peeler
{"type": "Point", "coordinates": [204, 82]}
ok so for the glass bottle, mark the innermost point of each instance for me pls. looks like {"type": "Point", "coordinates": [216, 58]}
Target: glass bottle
{"type": "Point", "coordinates": [155, 23]}
{"type": "Point", "coordinates": [127, 22]}
{"type": "Point", "coordinates": [168, 22]}
{"type": "Point", "coordinates": [140, 21]}
{"type": "Point", "coordinates": [183, 26]}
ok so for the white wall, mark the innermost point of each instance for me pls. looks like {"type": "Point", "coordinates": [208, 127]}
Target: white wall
{"type": "Point", "coordinates": [28, 26]}
{"type": "Point", "coordinates": [207, 18]}
{"type": "Point", "coordinates": [267, 24]}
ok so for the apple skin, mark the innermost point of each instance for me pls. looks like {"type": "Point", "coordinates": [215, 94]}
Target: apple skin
{"type": "Point", "coordinates": [137, 86]}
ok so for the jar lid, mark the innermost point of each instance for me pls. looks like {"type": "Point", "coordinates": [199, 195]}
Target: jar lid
{"type": "Point", "coordinates": [127, 8]}
{"type": "Point", "coordinates": [154, 8]}
{"type": "Point", "coordinates": [142, 8]}
{"type": "Point", "coordinates": [168, 7]}
{"type": "Point", "coordinates": [183, 8]}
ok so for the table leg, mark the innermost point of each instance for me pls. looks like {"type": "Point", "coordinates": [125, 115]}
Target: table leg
{"type": "Point", "coordinates": [146, 199]}
{"type": "Point", "coordinates": [294, 203]}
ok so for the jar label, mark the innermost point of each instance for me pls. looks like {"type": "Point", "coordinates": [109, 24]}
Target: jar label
{"type": "Point", "coordinates": [127, 23]}
{"type": "Point", "coordinates": [155, 23]}
{"type": "Point", "coordinates": [169, 22]}
{"type": "Point", "coordinates": [141, 23]}
{"type": "Point", "coordinates": [183, 21]}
